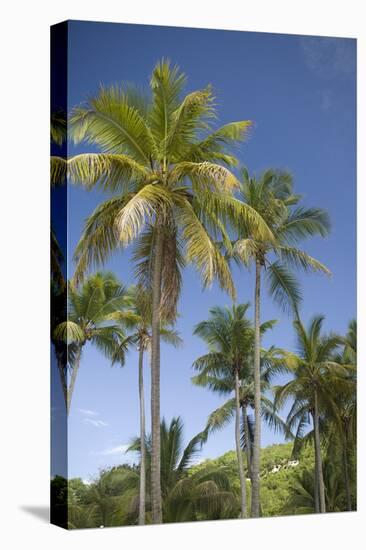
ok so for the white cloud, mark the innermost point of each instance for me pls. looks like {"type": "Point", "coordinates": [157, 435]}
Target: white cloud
{"type": "Point", "coordinates": [93, 422]}
{"type": "Point", "coordinates": [120, 449]}
{"type": "Point", "coordinates": [88, 412]}
{"type": "Point", "coordinates": [329, 57]}
{"type": "Point", "coordinates": [326, 100]}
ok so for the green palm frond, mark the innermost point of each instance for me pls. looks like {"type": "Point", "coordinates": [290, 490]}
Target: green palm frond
{"type": "Point", "coordinates": [58, 174]}
{"type": "Point", "coordinates": [299, 259]}
{"type": "Point", "coordinates": [100, 236]}
{"type": "Point", "coordinates": [245, 250]}
{"type": "Point", "coordinates": [222, 416]}
{"type": "Point", "coordinates": [69, 332]}
{"type": "Point", "coordinates": [111, 123]}
{"type": "Point", "coordinates": [303, 223]}
{"type": "Point", "coordinates": [283, 286]}
{"type": "Point", "coordinates": [112, 172]}
{"type": "Point", "coordinates": [212, 147]}
{"type": "Point", "coordinates": [190, 116]}
{"type": "Point", "coordinates": [166, 83]}
{"type": "Point", "coordinates": [205, 176]}
{"type": "Point", "coordinates": [191, 450]}
{"type": "Point", "coordinates": [153, 200]}
{"type": "Point", "coordinates": [219, 385]}
{"type": "Point", "coordinates": [202, 251]}
{"type": "Point", "coordinates": [58, 127]}
{"type": "Point", "coordinates": [213, 362]}
{"type": "Point", "coordinates": [272, 419]}
{"type": "Point", "coordinates": [171, 337]}
{"type": "Point", "coordinates": [112, 343]}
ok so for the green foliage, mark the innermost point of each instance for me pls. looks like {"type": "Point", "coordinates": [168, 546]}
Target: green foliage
{"type": "Point", "coordinates": [271, 195]}
{"type": "Point", "coordinates": [275, 487]}
{"type": "Point", "coordinates": [164, 160]}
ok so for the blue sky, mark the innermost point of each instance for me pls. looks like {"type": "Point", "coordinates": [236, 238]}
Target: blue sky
{"type": "Point", "coordinates": [300, 92]}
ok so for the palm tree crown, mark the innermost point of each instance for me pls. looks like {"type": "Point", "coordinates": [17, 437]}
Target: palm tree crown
{"type": "Point", "coordinates": [313, 370]}
{"type": "Point", "coordinates": [272, 196]}
{"type": "Point", "coordinates": [91, 307]}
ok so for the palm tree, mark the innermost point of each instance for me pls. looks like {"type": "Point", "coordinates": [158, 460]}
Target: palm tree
{"type": "Point", "coordinates": [90, 309]}
{"type": "Point", "coordinates": [227, 368]}
{"type": "Point", "coordinates": [226, 333]}
{"type": "Point", "coordinates": [343, 417]}
{"type": "Point", "coordinates": [271, 196]}
{"type": "Point", "coordinates": [200, 495]}
{"type": "Point", "coordinates": [138, 320]}
{"type": "Point", "coordinates": [302, 498]}
{"type": "Point", "coordinates": [313, 370]}
{"type": "Point", "coordinates": [107, 499]}
{"type": "Point", "coordinates": [58, 282]}
{"type": "Point", "coordinates": [168, 170]}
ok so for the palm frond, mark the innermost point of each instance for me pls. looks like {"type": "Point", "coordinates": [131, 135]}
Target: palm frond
{"type": "Point", "coordinates": [115, 126]}
{"type": "Point", "coordinates": [100, 236]}
{"type": "Point", "coordinates": [283, 286]}
{"type": "Point", "coordinates": [69, 332]}
{"type": "Point", "coordinates": [152, 200]}
{"type": "Point", "coordinates": [112, 172]}
{"type": "Point", "coordinates": [304, 222]}
{"type": "Point", "coordinates": [298, 259]}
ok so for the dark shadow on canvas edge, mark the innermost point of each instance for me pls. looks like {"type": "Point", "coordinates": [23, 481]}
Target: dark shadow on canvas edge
{"type": "Point", "coordinates": [40, 512]}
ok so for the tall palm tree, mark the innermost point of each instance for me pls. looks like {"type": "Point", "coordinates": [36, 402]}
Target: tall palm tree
{"type": "Point", "coordinates": [91, 306]}
{"type": "Point", "coordinates": [168, 170]}
{"type": "Point", "coordinates": [227, 333]}
{"type": "Point", "coordinates": [227, 368]}
{"type": "Point", "coordinates": [271, 196]}
{"type": "Point", "coordinates": [343, 417]}
{"type": "Point", "coordinates": [58, 282]}
{"type": "Point", "coordinates": [313, 370]}
{"type": "Point", "coordinates": [138, 320]}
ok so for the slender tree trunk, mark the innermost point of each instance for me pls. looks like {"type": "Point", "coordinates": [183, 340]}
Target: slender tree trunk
{"type": "Point", "coordinates": [316, 488]}
{"type": "Point", "coordinates": [71, 387]}
{"type": "Point", "coordinates": [63, 376]}
{"type": "Point", "coordinates": [243, 491]}
{"type": "Point", "coordinates": [346, 477]}
{"type": "Point", "coordinates": [156, 503]}
{"type": "Point", "coordinates": [255, 507]}
{"type": "Point", "coordinates": [318, 457]}
{"type": "Point", "coordinates": [248, 450]}
{"type": "Point", "coordinates": [142, 500]}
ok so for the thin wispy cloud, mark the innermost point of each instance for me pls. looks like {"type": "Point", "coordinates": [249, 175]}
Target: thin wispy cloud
{"type": "Point", "coordinates": [95, 422]}
{"type": "Point", "coordinates": [329, 57]}
{"type": "Point", "coordinates": [326, 101]}
{"type": "Point", "coordinates": [110, 451]}
{"type": "Point", "coordinates": [88, 412]}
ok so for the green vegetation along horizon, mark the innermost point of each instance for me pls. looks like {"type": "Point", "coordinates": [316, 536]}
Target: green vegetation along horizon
{"type": "Point", "coordinates": [287, 488]}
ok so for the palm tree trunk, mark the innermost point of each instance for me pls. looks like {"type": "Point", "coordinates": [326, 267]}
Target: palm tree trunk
{"type": "Point", "coordinates": [346, 477]}
{"type": "Point", "coordinates": [318, 457]}
{"type": "Point", "coordinates": [316, 489]}
{"type": "Point", "coordinates": [63, 377]}
{"type": "Point", "coordinates": [248, 451]}
{"type": "Point", "coordinates": [156, 504]}
{"type": "Point", "coordinates": [71, 387]}
{"type": "Point", "coordinates": [257, 397]}
{"type": "Point", "coordinates": [243, 491]}
{"type": "Point", "coordinates": [142, 500]}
